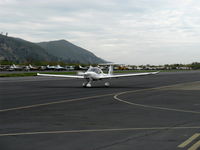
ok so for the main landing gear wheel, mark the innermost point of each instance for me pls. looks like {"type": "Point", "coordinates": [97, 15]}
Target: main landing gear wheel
{"type": "Point", "coordinates": [87, 84]}
{"type": "Point", "coordinates": [84, 84]}
{"type": "Point", "coordinates": [107, 84]}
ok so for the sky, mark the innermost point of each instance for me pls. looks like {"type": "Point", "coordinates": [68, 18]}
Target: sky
{"type": "Point", "coordinates": [122, 31]}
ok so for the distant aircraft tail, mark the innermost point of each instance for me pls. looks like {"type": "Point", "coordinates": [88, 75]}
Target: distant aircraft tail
{"type": "Point", "coordinates": [80, 67]}
{"type": "Point", "coordinates": [110, 72]}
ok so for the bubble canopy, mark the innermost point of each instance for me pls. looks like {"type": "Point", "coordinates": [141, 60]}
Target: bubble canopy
{"type": "Point", "coordinates": [96, 70]}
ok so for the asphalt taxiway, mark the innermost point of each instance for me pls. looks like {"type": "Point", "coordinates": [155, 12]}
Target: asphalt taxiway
{"type": "Point", "coordinates": [156, 112]}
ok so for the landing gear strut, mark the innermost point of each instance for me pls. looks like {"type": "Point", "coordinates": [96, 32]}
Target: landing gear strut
{"type": "Point", "coordinates": [87, 84]}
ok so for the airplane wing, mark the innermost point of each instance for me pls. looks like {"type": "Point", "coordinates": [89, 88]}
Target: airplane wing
{"type": "Point", "coordinates": [128, 75]}
{"type": "Point", "coordinates": [63, 76]}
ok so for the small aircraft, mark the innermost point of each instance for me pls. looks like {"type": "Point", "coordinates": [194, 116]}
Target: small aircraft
{"type": "Point", "coordinates": [32, 67]}
{"type": "Point", "coordinates": [15, 68]}
{"type": "Point", "coordinates": [83, 68]}
{"type": "Point", "coordinates": [69, 67]}
{"type": "Point", "coordinates": [58, 67]}
{"type": "Point", "coordinates": [95, 74]}
{"type": "Point", "coordinates": [48, 67]}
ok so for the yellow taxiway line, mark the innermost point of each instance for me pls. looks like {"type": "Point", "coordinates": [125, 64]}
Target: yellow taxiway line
{"type": "Point", "coordinates": [195, 146]}
{"type": "Point", "coordinates": [188, 141]}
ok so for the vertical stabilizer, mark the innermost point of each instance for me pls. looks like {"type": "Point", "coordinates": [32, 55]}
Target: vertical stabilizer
{"type": "Point", "coordinates": [110, 72]}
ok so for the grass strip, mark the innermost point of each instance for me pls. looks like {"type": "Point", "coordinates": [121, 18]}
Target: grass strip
{"type": "Point", "coordinates": [23, 74]}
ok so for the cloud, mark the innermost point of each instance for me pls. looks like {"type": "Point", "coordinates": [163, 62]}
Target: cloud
{"type": "Point", "coordinates": [134, 32]}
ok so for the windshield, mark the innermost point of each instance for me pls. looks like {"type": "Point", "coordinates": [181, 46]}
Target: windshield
{"type": "Point", "coordinates": [96, 70]}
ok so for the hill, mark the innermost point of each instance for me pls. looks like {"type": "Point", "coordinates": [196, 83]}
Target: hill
{"type": "Point", "coordinates": [21, 51]}
{"type": "Point", "coordinates": [69, 52]}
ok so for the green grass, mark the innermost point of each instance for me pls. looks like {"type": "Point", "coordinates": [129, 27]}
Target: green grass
{"type": "Point", "coordinates": [137, 71]}
{"type": "Point", "coordinates": [17, 74]}
{"type": "Point", "coordinates": [23, 74]}
{"type": "Point", "coordinates": [133, 71]}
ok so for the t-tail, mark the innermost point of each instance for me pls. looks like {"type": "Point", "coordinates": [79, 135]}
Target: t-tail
{"type": "Point", "coordinates": [110, 72]}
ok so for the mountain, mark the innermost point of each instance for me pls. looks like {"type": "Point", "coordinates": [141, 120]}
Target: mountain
{"type": "Point", "coordinates": [20, 51]}
{"type": "Point", "coordinates": [69, 52]}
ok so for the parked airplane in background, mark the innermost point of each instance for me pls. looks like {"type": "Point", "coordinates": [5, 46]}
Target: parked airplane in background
{"type": "Point", "coordinates": [15, 68]}
{"type": "Point", "coordinates": [50, 67]}
{"type": "Point", "coordinates": [69, 67]}
{"type": "Point", "coordinates": [83, 68]}
{"type": "Point", "coordinates": [94, 74]}
{"type": "Point", "coordinates": [58, 67]}
{"type": "Point", "coordinates": [32, 67]}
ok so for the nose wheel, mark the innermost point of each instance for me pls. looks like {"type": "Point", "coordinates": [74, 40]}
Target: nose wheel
{"type": "Point", "coordinates": [87, 84]}
{"type": "Point", "coordinates": [107, 84]}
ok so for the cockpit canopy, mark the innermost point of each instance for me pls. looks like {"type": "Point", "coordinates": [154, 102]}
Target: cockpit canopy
{"type": "Point", "coordinates": [96, 70]}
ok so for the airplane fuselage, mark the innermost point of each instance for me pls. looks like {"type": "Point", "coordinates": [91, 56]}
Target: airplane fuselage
{"type": "Point", "coordinates": [93, 76]}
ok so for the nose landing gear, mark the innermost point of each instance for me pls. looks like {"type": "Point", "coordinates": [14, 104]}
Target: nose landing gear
{"type": "Point", "coordinates": [87, 84]}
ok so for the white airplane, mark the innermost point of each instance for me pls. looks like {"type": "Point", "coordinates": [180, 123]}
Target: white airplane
{"type": "Point", "coordinates": [32, 68]}
{"type": "Point", "coordinates": [95, 73]}
{"type": "Point", "coordinates": [50, 67]}
{"type": "Point", "coordinates": [58, 67]}
{"type": "Point", "coordinates": [83, 68]}
{"type": "Point", "coordinates": [15, 68]}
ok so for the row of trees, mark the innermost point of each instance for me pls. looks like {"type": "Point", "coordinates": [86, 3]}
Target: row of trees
{"type": "Point", "coordinates": [194, 65]}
